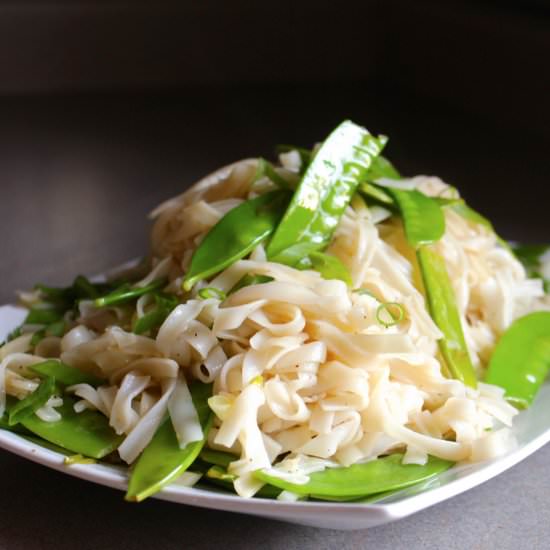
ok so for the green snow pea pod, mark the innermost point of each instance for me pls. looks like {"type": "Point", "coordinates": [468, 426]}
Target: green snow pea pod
{"type": "Point", "coordinates": [37, 337]}
{"type": "Point", "coordinates": [43, 443]}
{"type": "Point", "coordinates": [43, 314]}
{"type": "Point", "coordinates": [295, 254]}
{"type": "Point", "coordinates": [165, 303]}
{"type": "Point", "coordinates": [30, 404]}
{"type": "Point", "coordinates": [81, 289]}
{"type": "Point", "coordinates": [5, 418]}
{"type": "Point", "coordinates": [381, 167]}
{"type": "Point", "coordinates": [217, 458]}
{"type": "Point", "coordinates": [359, 480]}
{"type": "Point", "coordinates": [469, 214]}
{"type": "Point", "coordinates": [305, 154]}
{"type": "Point", "coordinates": [162, 461]}
{"type": "Point", "coordinates": [5, 425]}
{"type": "Point", "coordinates": [306, 256]}
{"type": "Point", "coordinates": [265, 168]}
{"type": "Point", "coordinates": [444, 311]}
{"type": "Point", "coordinates": [531, 256]}
{"type": "Point", "coordinates": [63, 374]}
{"type": "Point", "coordinates": [56, 329]}
{"type": "Point", "coordinates": [330, 267]}
{"type": "Point", "coordinates": [217, 475]}
{"type": "Point", "coordinates": [150, 321]}
{"type": "Point", "coordinates": [446, 202]}
{"type": "Point", "coordinates": [424, 224]}
{"type": "Point", "coordinates": [371, 191]}
{"type": "Point", "coordinates": [521, 359]}
{"type": "Point", "coordinates": [363, 499]}
{"type": "Point", "coordinates": [126, 293]}
{"type": "Point", "coordinates": [326, 188]}
{"type": "Point", "coordinates": [249, 280]}
{"type": "Point", "coordinates": [423, 218]}
{"type": "Point", "coordinates": [236, 235]}
{"type": "Point", "coordinates": [87, 433]}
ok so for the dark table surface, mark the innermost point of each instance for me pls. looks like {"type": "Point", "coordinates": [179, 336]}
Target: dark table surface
{"type": "Point", "coordinates": [77, 178]}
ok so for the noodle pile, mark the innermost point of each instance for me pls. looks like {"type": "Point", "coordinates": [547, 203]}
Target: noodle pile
{"type": "Point", "coordinates": [304, 368]}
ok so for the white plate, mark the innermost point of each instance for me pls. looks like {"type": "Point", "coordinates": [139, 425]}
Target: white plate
{"type": "Point", "coordinates": [532, 429]}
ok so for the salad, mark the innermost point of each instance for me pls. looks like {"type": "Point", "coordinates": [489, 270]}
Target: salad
{"type": "Point", "coordinates": [316, 328]}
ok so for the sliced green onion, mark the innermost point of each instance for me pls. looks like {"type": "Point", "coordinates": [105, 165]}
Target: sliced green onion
{"type": "Point", "coordinates": [212, 292]}
{"type": "Point", "coordinates": [390, 308]}
{"type": "Point", "coordinates": [126, 293]}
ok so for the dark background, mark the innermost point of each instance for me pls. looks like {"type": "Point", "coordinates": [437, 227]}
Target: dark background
{"type": "Point", "coordinates": [107, 108]}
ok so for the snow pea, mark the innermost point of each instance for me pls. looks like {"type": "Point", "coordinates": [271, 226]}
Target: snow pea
{"type": "Point", "coordinates": [330, 267]}
{"type": "Point", "coordinates": [236, 235]}
{"type": "Point", "coordinates": [530, 255]}
{"type": "Point", "coordinates": [444, 311]}
{"type": "Point", "coordinates": [472, 215]}
{"type": "Point", "coordinates": [424, 224]}
{"type": "Point", "coordinates": [217, 458]}
{"type": "Point", "coordinates": [423, 218]}
{"type": "Point", "coordinates": [126, 293]}
{"type": "Point", "coordinates": [381, 167]}
{"type": "Point", "coordinates": [30, 404]}
{"type": "Point", "coordinates": [162, 461]}
{"type": "Point", "coordinates": [521, 359]}
{"type": "Point", "coordinates": [43, 443]}
{"type": "Point", "coordinates": [294, 254]}
{"type": "Point", "coordinates": [43, 315]}
{"type": "Point", "coordinates": [358, 480]}
{"type": "Point", "coordinates": [55, 302]}
{"type": "Point", "coordinates": [326, 188]}
{"type": "Point", "coordinates": [65, 298]}
{"type": "Point", "coordinates": [81, 288]}
{"type": "Point", "coordinates": [371, 191]}
{"type": "Point", "coordinates": [57, 328]}
{"type": "Point", "coordinates": [87, 433]}
{"type": "Point", "coordinates": [5, 419]}
{"type": "Point", "coordinates": [306, 256]}
{"type": "Point", "coordinates": [153, 319]}
{"type": "Point", "coordinates": [249, 280]}
{"type": "Point", "coordinates": [64, 374]}
{"type": "Point", "coordinates": [469, 214]}
{"type": "Point", "coordinates": [305, 154]}
{"type": "Point", "coordinates": [265, 168]}
{"type": "Point", "coordinates": [217, 475]}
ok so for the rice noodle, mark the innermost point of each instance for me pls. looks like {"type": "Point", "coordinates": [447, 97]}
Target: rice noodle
{"type": "Point", "coordinates": [300, 364]}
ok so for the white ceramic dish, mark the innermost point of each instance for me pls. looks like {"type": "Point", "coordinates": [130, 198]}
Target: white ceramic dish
{"type": "Point", "coordinates": [532, 429]}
